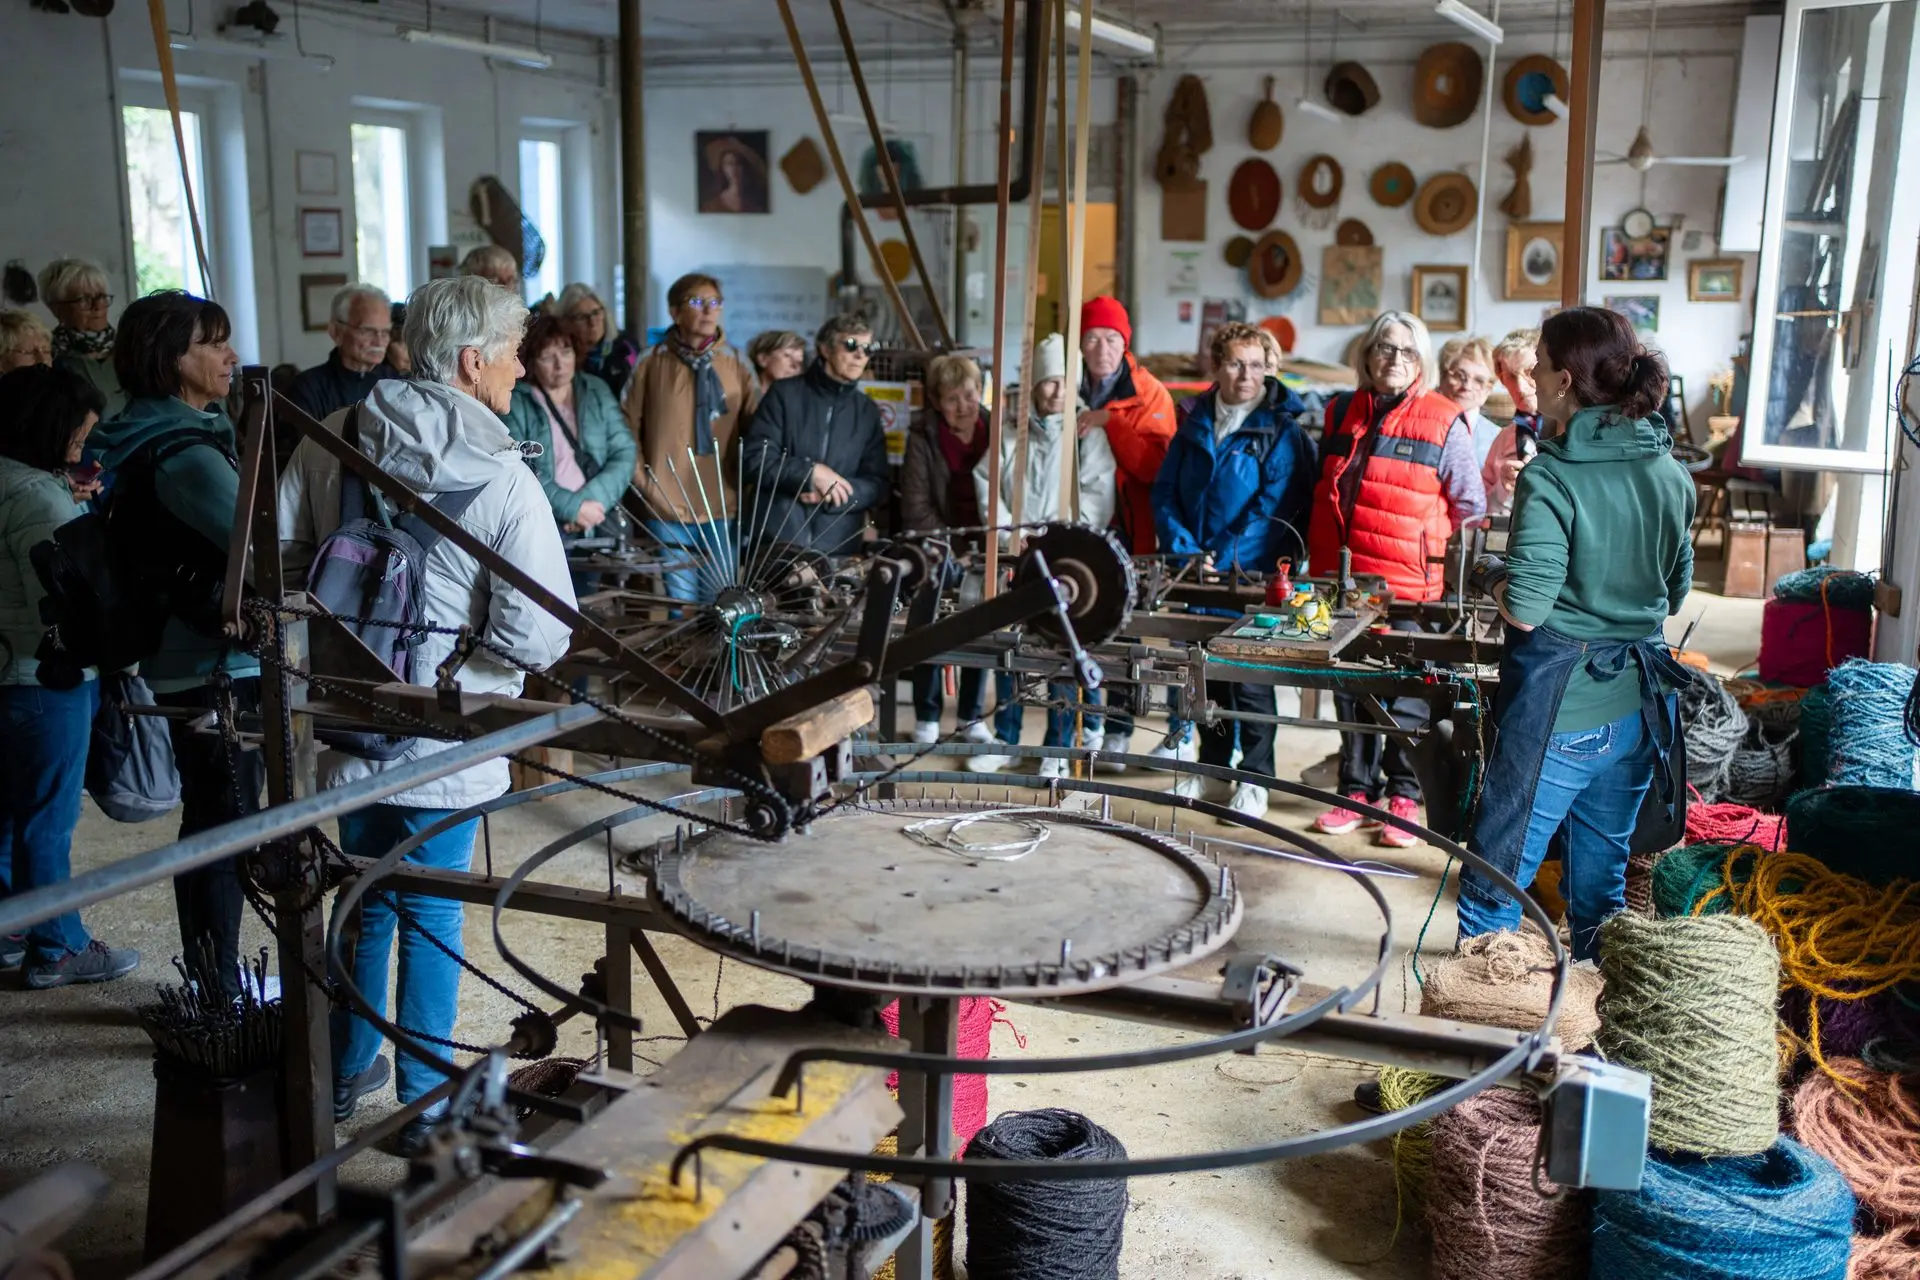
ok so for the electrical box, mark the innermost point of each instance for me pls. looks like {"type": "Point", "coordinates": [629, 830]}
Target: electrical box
{"type": "Point", "coordinates": [1596, 1125]}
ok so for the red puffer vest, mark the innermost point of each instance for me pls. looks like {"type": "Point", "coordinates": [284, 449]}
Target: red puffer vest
{"type": "Point", "coordinates": [1399, 518]}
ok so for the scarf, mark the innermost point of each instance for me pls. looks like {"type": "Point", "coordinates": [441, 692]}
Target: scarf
{"type": "Point", "coordinates": [72, 342]}
{"type": "Point", "coordinates": [709, 398]}
{"type": "Point", "coordinates": [1229, 418]}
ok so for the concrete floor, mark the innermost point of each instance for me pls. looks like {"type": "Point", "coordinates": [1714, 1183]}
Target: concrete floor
{"type": "Point", "coordinates": [78, 1081]}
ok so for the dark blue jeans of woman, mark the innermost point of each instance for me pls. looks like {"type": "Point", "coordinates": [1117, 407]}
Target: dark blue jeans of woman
{"type": "Point", "coordinates": [43, 769]}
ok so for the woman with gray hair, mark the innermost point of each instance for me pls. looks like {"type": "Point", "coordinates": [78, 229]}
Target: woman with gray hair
{"type": "Point", "coordinates": [605, 352]}
{"type": "Point", "coordinates": [443, 435]}
{"type": "Point", "coordinates": [75, 290]}
{"type": "Point", "coordinates": [1398, 477]}
{"type": "Point", "coordinates": [777, 354]}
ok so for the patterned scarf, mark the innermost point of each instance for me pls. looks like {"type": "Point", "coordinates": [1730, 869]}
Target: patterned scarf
{"type": "Point", "coordinates": [709, 397]}
{"type": "Point", "coordinates": [72, 342]}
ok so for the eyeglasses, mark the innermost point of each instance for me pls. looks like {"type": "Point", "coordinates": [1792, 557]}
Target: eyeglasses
{"type": "Point", "coordinates": [1460, 376]}
{"type": "Point", "coordinates": [1393, 355]}
{"type": "Point", "coordinates": [706, 304]}
{"type": "Point", "coordinates": [1237, 367]}
{"type": "Point", "coordinates": [587, 317]}
{"type": "Point", "coordinates": [369, 333]}
{"type": "Point", "coordinates": [852, 345]}
{"type": "Point", "coordinates": [90, 300]}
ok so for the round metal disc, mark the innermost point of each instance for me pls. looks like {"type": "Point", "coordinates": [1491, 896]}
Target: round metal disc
{"type": "Point", "coordinates": [856, 902]}
{"type": "Point", "coordinates": [1099, 572]}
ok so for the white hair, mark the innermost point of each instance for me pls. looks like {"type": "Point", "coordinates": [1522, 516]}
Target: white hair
{"type": "Point", "coordinates": [1422, 340]}
{"type": "Point", "coordinates": [59, 278]}
{"type": "Point", "coordinates": [342, 312]}
{"type": "Point", "coordinates": [444, 317]}
{"type": "Point", "coordinates": [575, 294]}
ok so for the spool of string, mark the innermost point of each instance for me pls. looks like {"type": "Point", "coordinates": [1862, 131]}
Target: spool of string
{"type": "Point", "coordinates": [973, 1039]}
{"type": "Point", "coordinates": [1816, 730]}
{"type": "Point", "coordinates": [1640, 882]}
{"type": "Point", "coordinates": [1865, 832]}
{"type": "Point", "coordinates": [1732, 824]}
{"type": "Point", "coordinates": [1871, 1132]}
{"type": "Point", "coordinates": [1062, 1230]}
{"type": "Point", "coordinates": [1760, 771]}
{"type": "Point", "coordinates": [1892, 1255]}
{"type": "Point", "coordinates": [1690, 1002]}
{"type": "Point", "coordinates": [1400, 1088]}
{"type": "Point", "coordinates": [1683, 876]}
{"type": "Point", "coordinates": [1784, 1214]}
{"type": "Point", "coordinates": [1884, 1027]}
{"type": "Point", "coordinates": [1715, 727]}
{"type": "Point", "coordinates": [1840, 588]}
{"type": "Point", "coordinates": [1484, 1213]}
{"type": "Point", "coordinates": [1868, 741]}
{"type": "Point", "coordinates": [1504, 980]}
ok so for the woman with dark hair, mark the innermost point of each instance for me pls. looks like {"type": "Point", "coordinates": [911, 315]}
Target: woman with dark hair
{"type": "Point", "coordinates": [173, 470]}
{"type": "Point", "coordinates": [586, 456]}
{"type": "Point", "coordinates": [1597, 560]}
{"type": "Point", "coordinates": [45, 415]}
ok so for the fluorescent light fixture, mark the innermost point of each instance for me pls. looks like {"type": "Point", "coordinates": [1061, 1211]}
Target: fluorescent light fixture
{"type": "Point", "coordinates": [523, 54]}
{"type": "Point", "coordinates": [250, 49]}
{"type": "Point", "coordinates": [1478, 23]}
{"type": "Point", "coordinates": [1553, 103]}
{"type": "Point", "coordinates": [1115, 37]}
{"type": "Point", "coordinates": [1315, 107]}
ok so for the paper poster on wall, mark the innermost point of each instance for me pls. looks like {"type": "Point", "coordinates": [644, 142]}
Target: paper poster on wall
{"type": "Point", "coordinates": [897, 401]}
{"type": "Point", "coordinates": [1350, 283]}
{"type": "Point", "coordinates": [762, 298]}
{"type": "Point", "coordinates": [1183, 271]}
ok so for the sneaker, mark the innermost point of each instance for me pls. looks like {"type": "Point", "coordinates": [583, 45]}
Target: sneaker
{"type": "Point", "coordinates": [13, 952]}
{"type": "Point", "coordinates": [1394, 837]}
{"type": "Point", "coordinates": [1114, 744]}
{"type": "Point", "coordinates": [411, 1140]}
{"type": "Point", "coordinates": [1338, 822]}
{"type": "Point", "coordinates": [978, 732]}
{"type": "Point", "coordinates": [988, 762]}
{"type": "Point", "coordinates": [1366, 1096]}
{"type": "Point", "coordinates": [97, 963]}
{"type": "Point", "coordinates": [1186, 749]}
{"type": "Point", "coordinates": [1198, 786]}
{"type": "Point", "coordinates": [1249, 799]}
{"type": "Point", "coordinates": [1055, 767]}
{"type": "Point", "coordinates": [347, 1093]}
{"type": "Point", "coordinates": [1324, 774]}
{"type": "Point", "coordinates": [926, 731]}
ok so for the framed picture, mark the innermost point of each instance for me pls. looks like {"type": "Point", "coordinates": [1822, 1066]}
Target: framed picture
{"type": "Point", "coordinates": [1625, 257]}
{"type": "Point", "coordinates": [1641, 310]}
{"type": "Point", "coordinates": [1440, 297]}
{"type": "Point", "coordinates": [1534, 254]}
{"type": "Point", "coordinates": [322, 233]}
{"type": "Point", "coordinates": [1714, 280]}
{"type": "Point", "coordinates": [316, 298]}
{"type": "Point", "coordinates": [316, 173]}
{"type": "Point", "coordinates": [1350, 276]}
{"type": "Point", "coordinates": [733, 171]}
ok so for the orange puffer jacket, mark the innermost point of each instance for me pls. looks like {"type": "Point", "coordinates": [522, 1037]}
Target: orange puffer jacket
{"type": "Point", "coordinates": [1399, 517]}
{"type": "Point", "coordinates": [1140, 426]}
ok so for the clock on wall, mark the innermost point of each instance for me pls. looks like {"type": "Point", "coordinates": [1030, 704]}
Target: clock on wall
{"type": "Point", "coordinates": [1637, 223]}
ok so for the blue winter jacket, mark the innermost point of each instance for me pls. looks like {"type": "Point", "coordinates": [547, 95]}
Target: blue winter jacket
{"type": "Point", "coordinates": [1230, 498]}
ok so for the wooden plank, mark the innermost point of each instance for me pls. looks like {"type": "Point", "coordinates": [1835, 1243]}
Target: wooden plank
{"type": "Point", "coordinates": [1584, 69]}
{"type": "Point", "coordinates": [637, 1224]}
{"type": "Point", "coordinates": [806, 734]}
{"type": "Point", "coordinates": [1284, 649]}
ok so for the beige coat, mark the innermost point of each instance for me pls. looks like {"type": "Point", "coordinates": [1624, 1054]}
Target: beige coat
{"type": "Point", "coordinates": [658, 404]}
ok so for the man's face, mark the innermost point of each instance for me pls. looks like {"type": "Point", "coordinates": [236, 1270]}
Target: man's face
{"type": "Point", "coordinates": [1102, 349]}
{"type": "Point", "coordinates": [362, 340]}
{"type": "Point", "coordinates": [699, 315]}
{"type": "Point", "coordinates": [846, 356]}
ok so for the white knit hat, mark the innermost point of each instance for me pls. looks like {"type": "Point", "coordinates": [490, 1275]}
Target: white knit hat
{"type": "Point", "coordinates": [1049, 359]}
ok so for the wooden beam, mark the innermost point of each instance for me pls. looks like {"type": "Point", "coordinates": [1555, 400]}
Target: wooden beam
{"type": "Point", "coordinates": [997, 416]}
{"type": "Point", "coordinates": [1076, 267]}
{"type": "Point", "coordinates": [1029, 336]}
{"type": "Point", "coordinates": [805, 735]}
{"type": "Point", "coordinates": [1583, 67]}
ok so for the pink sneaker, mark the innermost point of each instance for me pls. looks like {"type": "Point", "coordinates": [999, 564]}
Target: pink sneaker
{"type": "Point", "coordinates": [1338, 822]}
{"type": "Point", "coordinates": [1394, 837]}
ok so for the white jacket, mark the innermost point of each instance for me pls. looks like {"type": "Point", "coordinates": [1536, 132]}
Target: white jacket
{"type": "Point", "coordinates": [437, 440]}
{"type": "Point", "coordinates": [1045, 456]}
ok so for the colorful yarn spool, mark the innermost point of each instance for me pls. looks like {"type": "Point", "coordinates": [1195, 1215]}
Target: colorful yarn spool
{"type": "Point", "coordinates": [1505, 979]}
{"type": "Point", "coordinates": [1869, 739]}
{"type": "Point", "coordinates": [1715, 727]}
{"type": "Point", "coordinates": [1816, 731]}
{"type": "Point", "coordinates": [974, 1039]}
{"type": "Point", "coordinates": [1690, 1001]}
{"type": "Point", "coordinates": [1484, 1213]}
{"type": "Point", "coordinates": [1870, 1130]}
{"type": "Point", "coordinates": [1865, 832]}
{"type": "Point", "coordinates": [1682, 877]}
{"type": "Point", "coordinates": [1400, 1088]}
{"type": "Point", "coordinates": [1733, 824]}
{"type": "Point", "coordinates": [1784, 1214]}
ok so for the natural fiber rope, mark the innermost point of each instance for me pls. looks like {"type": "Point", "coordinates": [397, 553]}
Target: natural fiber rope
{"type": "Point", "coordinates": [1505, 979]}
{"type": "Point", "coordinates": [1892, 1256]}
{"type": "Point", "coordinates": [1869, 739]}
{"type": "Point", "coordinates": [1733, 824]}
{"type": "Point", "coordinates": [1839, 588]}
{"type": "Point", "coordinates": [1486, 1217]}
{"type": "Point", "coordinates": [1061, 1230]}
{"type": "Point", "coordinates": [1690, 1002]}
{"type": "Point", "coordinates": [1871, 1132]}
{"type": "Point", "coordinates": [1715, 727]}
{"type": "Point", "coordinates": [1640, 882]}
{"type": "Point", "coordinates": [1760, 770]}
{"type": "Point", "coordinates": [1400, 1088]}
{"type": "Point", "coordinates": [1816, 734]}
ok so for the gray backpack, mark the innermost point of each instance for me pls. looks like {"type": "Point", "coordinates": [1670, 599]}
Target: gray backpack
{"type": "Point", "coordinates": [371, 573]}
{"type": "Point", "coordinates": [130, 769]}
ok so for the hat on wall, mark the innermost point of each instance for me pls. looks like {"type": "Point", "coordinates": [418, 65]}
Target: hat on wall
{"type": "Point", "coordinates": [1445, 204]}
{"type": "Point", "coordinates": [1049, 359]}
{"type": "Point", "coordinates": [1237, 250]}
{"type": "Point", "coordinates": [1267, 124]}
{"type": "Point", "coordinates": [1253, 194]}
{"type": "Point", "coordinates": [1106, 313]}
{"type": "Point", "coordinates": [1321, 179]}
{"type": "Point", "coordinates": [1352, 231]}
{"type": "Point", "coordinates": [1350, 88]}
{"type": "Point", "coordinates": [1274, 268]}
{"type": "Point", "coordinates": [1392, 185]}
{"type": "Point", "coordinates": [1529, 81]}
{"type": "Point", "coordinates": [1446, 84]}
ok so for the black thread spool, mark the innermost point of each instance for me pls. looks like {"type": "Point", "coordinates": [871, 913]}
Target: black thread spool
{"type": "Point", "coordinates": [1060, 1230]}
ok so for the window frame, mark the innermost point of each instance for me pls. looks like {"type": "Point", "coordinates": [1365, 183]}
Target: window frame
{"type": "Point", "coordinates": [414, 254]}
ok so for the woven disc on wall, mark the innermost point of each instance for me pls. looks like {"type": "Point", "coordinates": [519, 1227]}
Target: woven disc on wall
{"type": "Point", "coordinates": [1445, 204]}
{"type": "Point", "coordinates": [1392, 184]}
{"type": "Point", "coordinates": [1352, 231]}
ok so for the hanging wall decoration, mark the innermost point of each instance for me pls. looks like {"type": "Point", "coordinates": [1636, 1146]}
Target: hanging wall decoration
{"type": "Point", "coordinates": [1183, 213]}
{"type": "Point", "coordinates": [1353, 232]}
{"type": "Point", "coordinates": [1445, 204]}
{"type": "Point", "coordinates": [1446, 84]}
{"type": "Point", "coordinates": [1236, 251]}
{"type": "Point", "coordinates": [1189, 136]}
{"type": "Point", "coordinates": [803, 165]}
{"type": "Point", "coordinates": [1714, 280]}
{"type": "Point", "coordinates": [1636, 249]}
{"type": "Point", "coordinates": [1266, 127]}
{"type": "Point", "coordinates": [732, 168]}
{"type": "Point", "coordinates": [1535, 251]}
{"type": "Point", "coordinates": [1319, 187]}
{"type": "Point", "coordinates": [1440, 297]}
{"type": "Point", "coordinates": [1274, 269]}
{"type": "Point", "coordinates": [1350, 277]}
{"type": "Point", "coordinates": [1392, 185]}
{"type": "Point", "coordinates": [1253, 195]}
{"type": "Point", "coordinates": [1351, 89]}
{"type": "Point", "coordinates": [1529, 82]}
{"type": "Point", "coordinates": [1641, 310]}
{"type": "Point", "coordinates": [1519, 202]}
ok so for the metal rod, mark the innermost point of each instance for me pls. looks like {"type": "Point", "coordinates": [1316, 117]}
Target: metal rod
{"type": "Point", "coordinates": [1076, 266]}
{"type": "Point", "coordinates": [1029, 336]}
{"type": "Point", "coordinates": [996, 418]}
{"type": "Point", "coordinates": [1480, 187]}
{"type": "Point", "coordinates": [633, 169]}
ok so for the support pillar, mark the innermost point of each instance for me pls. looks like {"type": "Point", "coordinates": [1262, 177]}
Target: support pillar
{"type": "Point", "coordinates": [1583, 73]}
{"type": "Point", "coordinates": [634, 251]}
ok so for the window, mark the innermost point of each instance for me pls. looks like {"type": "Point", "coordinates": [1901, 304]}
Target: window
{"type": "Point", "coordinates": [383, 241]}
{"type": "Point", "coordinates": [163, 247]}
{"type": "Point", "coordinates": [540, 202]}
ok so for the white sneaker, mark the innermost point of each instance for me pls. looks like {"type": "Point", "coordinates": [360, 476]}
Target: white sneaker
{"type": "Point", "coordinates": [1187, 749]}
{"type": "Point", "coordinates": [1054, 767]}
{"type": "Point", "coordinates": [1249, 799]}
{"type": "Point", "coordinates": [1198, 786]}
{"type": "Point", "coordinates": [927, 731]}
{"type": "Point", "coordinates": [978, 732]}
{"type": "Point", "coordinates": [987, 762]}
{"type": "Point", "coordinates": [1117, 744]}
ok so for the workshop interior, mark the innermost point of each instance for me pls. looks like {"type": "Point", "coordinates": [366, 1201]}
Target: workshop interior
{"type": "Point", "coordinates": [991, 638]}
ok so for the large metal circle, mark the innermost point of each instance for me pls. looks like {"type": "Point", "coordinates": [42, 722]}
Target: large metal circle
{"type": "Point", "coordinates": [856, 902]}
{"type": "Point", "coordinates": [1099, 575]}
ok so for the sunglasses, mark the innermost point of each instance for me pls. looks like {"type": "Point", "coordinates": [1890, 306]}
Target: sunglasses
{"type": "Point", "coordinates": [851, 345]}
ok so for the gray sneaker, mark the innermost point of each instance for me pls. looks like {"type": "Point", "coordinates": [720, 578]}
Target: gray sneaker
{"type": "Point", "coordinates": [13, 952]}
{"type": "Point", "coordinates": [97, 963]}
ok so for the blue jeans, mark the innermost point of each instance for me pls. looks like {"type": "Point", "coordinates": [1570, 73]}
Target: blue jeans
{"type": "Point", "coordinates": [1009, 715]}
{"type": "Point", "coordinates": [930, 694]}
{"type": "Point", "coordinates": [429, 983]}
{"type": "Point", "coordinates": [43, 767]}
{"type": "Point", "coordinates": [1592, 782]}
{"type": "Point", "coordinates": [711, 544]}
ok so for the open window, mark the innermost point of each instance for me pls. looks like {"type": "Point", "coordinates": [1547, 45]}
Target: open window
{"type": "Point", "coordinates": [382, 205]}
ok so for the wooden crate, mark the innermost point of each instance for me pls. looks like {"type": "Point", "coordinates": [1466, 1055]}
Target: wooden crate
{"type": "Point", "coordinates": [1758, 556]}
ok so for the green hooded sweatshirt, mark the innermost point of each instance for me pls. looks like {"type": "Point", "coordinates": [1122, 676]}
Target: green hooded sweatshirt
{"type": "Point", "coordinates": [1600, 547]}
{"type": "Point", "coordinates": [200, 487]}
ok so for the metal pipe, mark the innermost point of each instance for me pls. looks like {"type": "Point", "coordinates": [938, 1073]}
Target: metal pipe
{"type": "Point", "coordinates": [634, 251]}
{"type": "Point", "coordinates": [958, 231]}
{"type": "Point", "coordinates": [25, 909]}
{"type": "Point", "coordinates": [1480, 187]}
{"type": "Point", "coordinates": [1003, 193]}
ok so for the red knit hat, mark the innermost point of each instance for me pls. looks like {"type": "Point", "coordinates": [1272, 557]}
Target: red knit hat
{"type": "Point", "coordinates": [1106, 313]}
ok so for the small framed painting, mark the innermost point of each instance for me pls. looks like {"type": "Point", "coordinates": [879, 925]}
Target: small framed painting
{"type": "Point", "coordinates": [1641, 310]}
{"type": "Point", "coordinates": [1534, 253]}
{"type": "Point", "coordinates": [1714, 280]}
{"type": "Point", "coordinates": [1440, 297]}
{"type": "Point", "coordinates": [322, 233]}
{"type": "Point", "coordinates": [316, 298]}
{"type": "Point", "coordinates": [316, 173]}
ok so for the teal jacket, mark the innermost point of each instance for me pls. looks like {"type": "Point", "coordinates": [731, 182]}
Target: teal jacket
{"type": "Point", "coordinates": [33, 504]}
{"type": "Point", "coordinates": [1599, 548]}
{"type": "Point", "coordinates": [606, 453]}
{"type": "Point", "coordinates": [200, 487]}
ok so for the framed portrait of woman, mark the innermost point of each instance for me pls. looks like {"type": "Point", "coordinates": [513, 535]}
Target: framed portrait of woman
{"type": "Point", "coordinates": [733, 171]}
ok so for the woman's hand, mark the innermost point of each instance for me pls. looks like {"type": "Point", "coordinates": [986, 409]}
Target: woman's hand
{"type": "Point", "coordinates": [83, 490]}
{"type": "Point", "coordinates": [590, 514]}
{"type": "Point", "coordinates": [1510, 472]}
{"type": "Point", "coordinates": [829, 486]}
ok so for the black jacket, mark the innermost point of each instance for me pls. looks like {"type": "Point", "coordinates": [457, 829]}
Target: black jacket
{"type": "Point", "coordinates": [801, 421]}
{"type": "Point", "coordinates": [328, 388]}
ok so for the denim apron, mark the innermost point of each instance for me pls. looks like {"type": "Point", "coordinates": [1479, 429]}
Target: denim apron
{"type": "Point", "coordinates": [1534, 671]}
